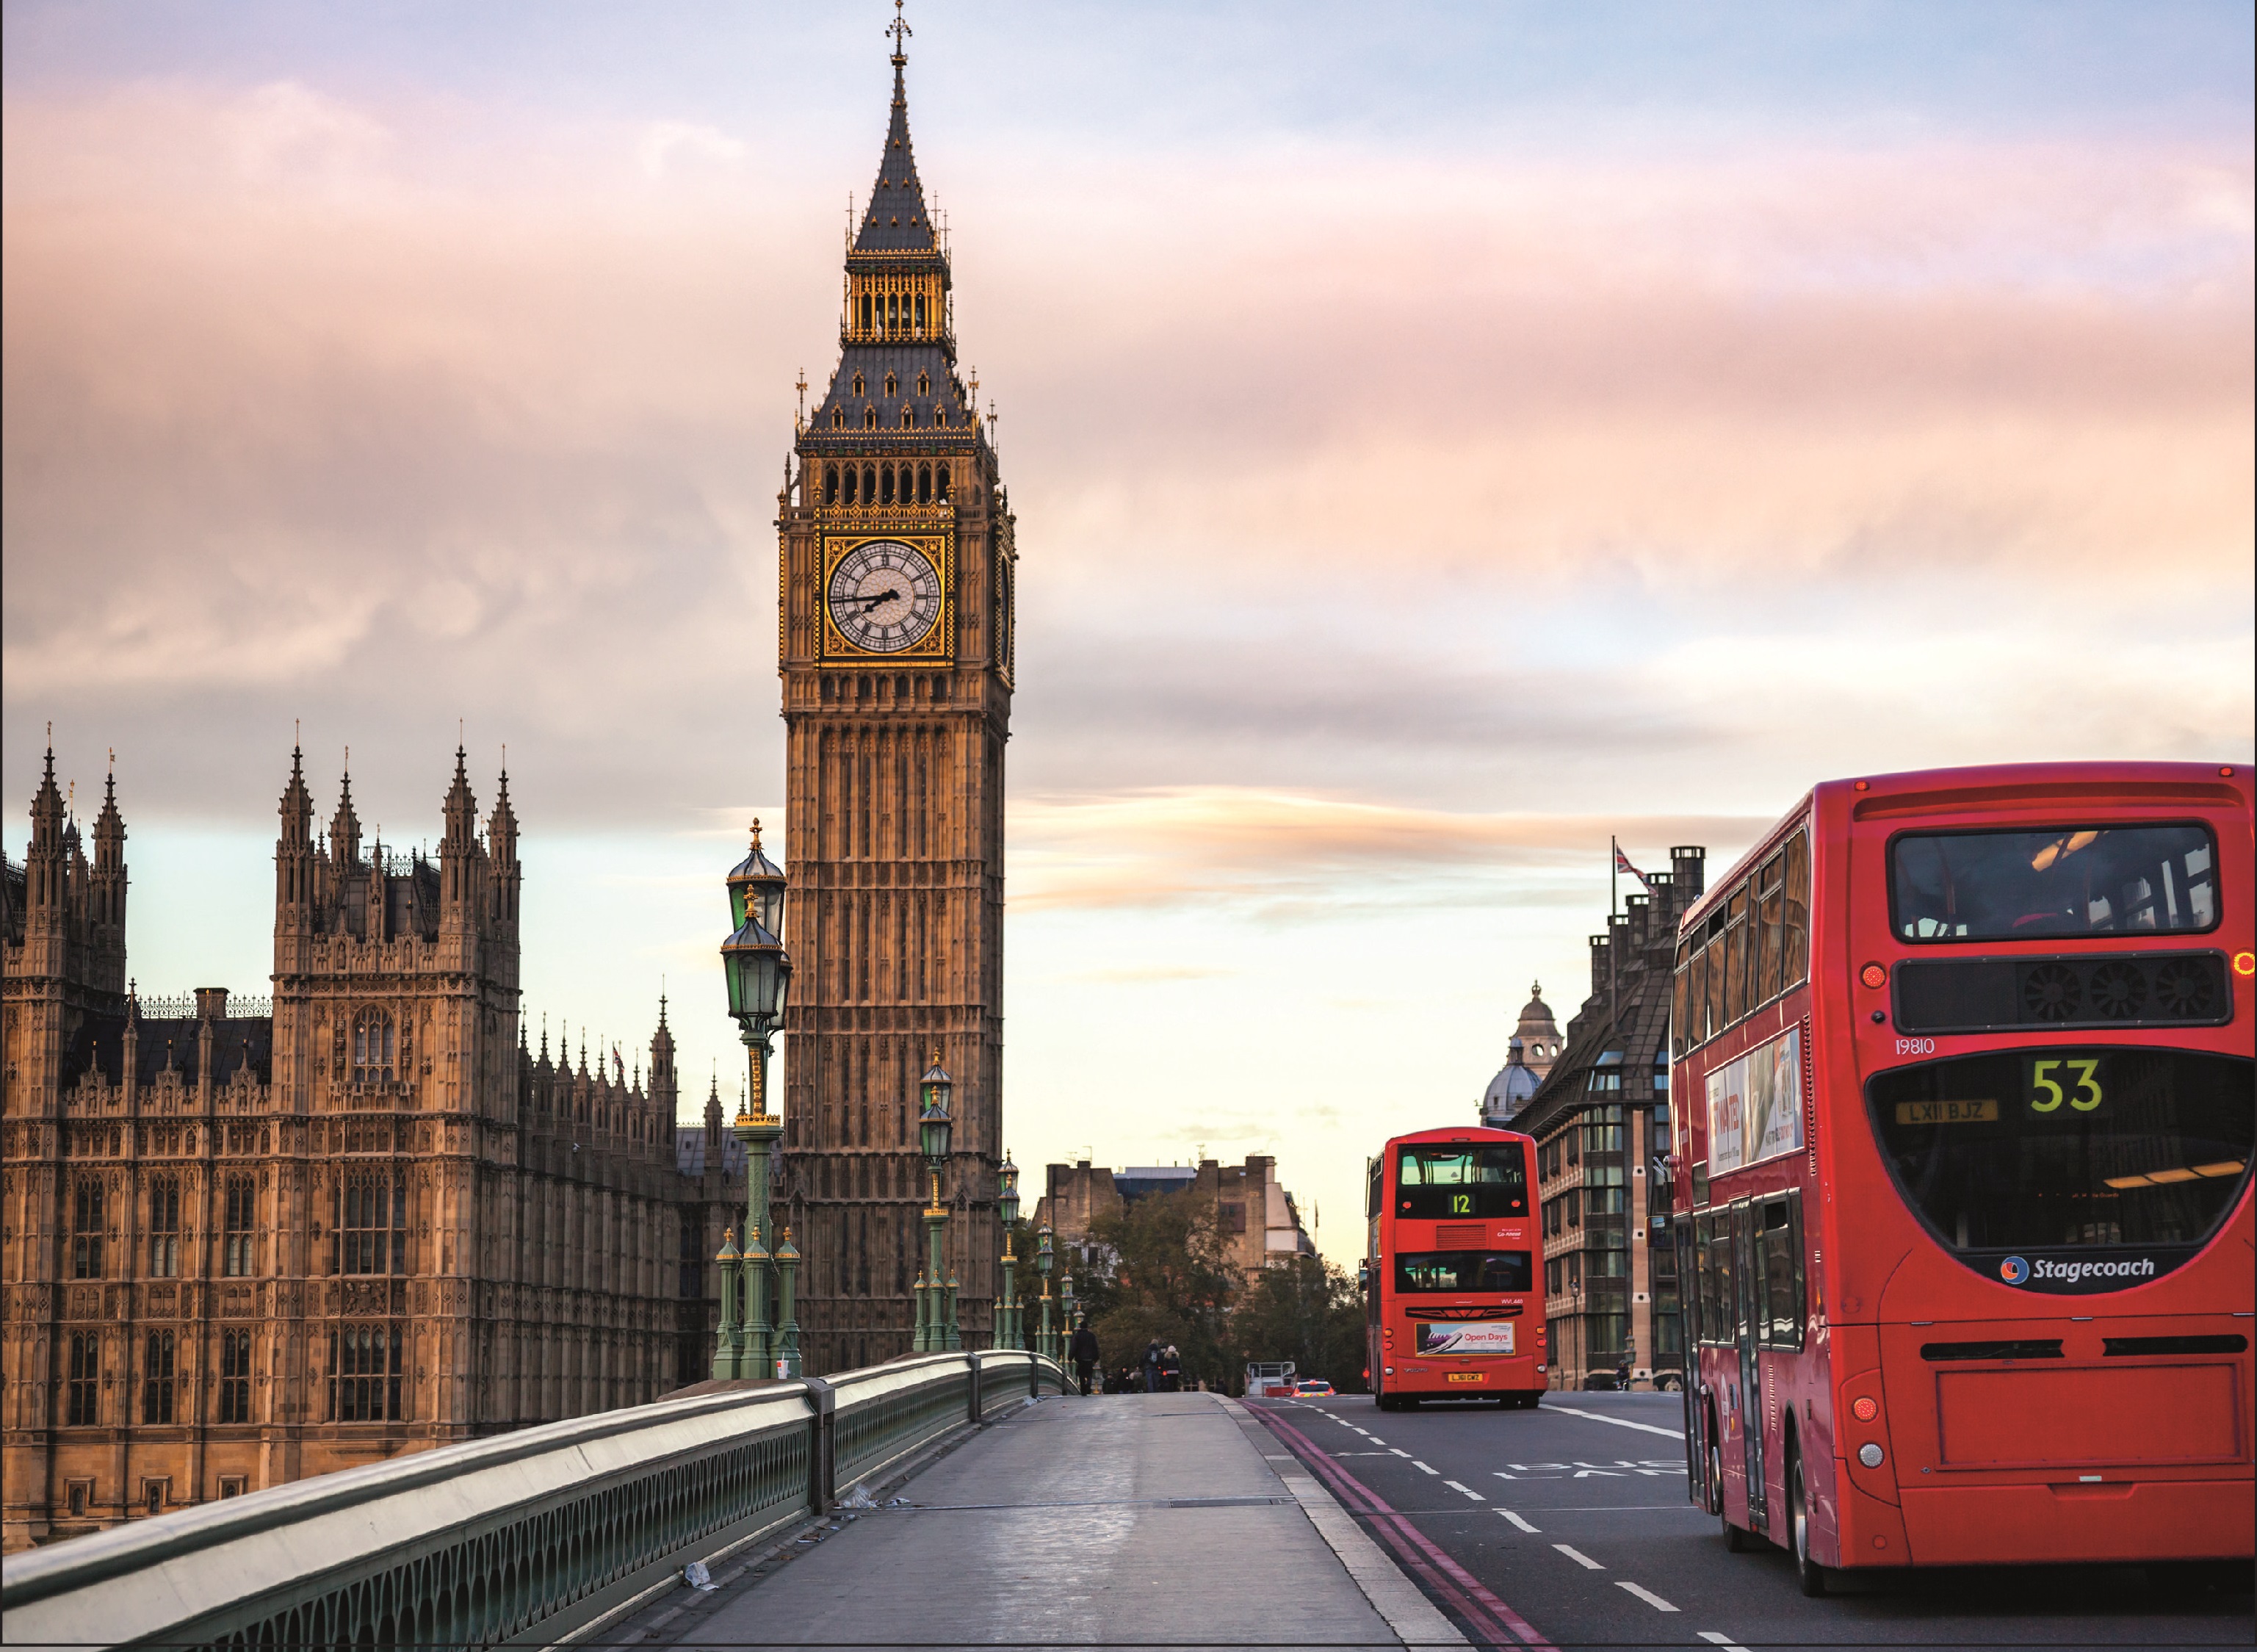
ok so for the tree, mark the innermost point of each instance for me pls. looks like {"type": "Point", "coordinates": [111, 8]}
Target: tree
{"type": "Point", "coordinates": [1305, 1309]}
{"type": "Point", "coordinates": [1172, 1282]}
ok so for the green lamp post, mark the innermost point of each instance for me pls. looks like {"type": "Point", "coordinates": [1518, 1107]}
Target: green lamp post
{"type": "Point", "coordinates": [758, 972]}
{"type": "Point", "coordinates": [1043, 1344]}
{"type": "Point", "coordinates": [1007, 1209]}
{"type": "Point", "coordinates": [936, 1331]}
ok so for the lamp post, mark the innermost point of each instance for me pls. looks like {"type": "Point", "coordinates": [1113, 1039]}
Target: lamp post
{"type": "Point", "coordinates": [936, 1331]}
{"type": "Point", "coordinates": [758, 972]}
{"type": "Point", "coordinates": [1043, 1345]}
{"type": "Point", "coordinates": [1007, 1208]}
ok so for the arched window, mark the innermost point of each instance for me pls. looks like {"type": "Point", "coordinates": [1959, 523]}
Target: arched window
{"type": "Point", "coordinates": [84, 1397]}
{"type": "Point", "coordinates": [376, 1049]}
{"type": "Point", "coordinates": [870, 417]}
{"type": "Point", "coordinates": [235, 1376]}
{"type": "Point", "coordinates": [924, 483]}
{"type": "Point", "coordinates": [831, 484]}
{"type": "Point", "coordinates": [885, 485]}
{"type": "Point", "coordinates": [909, 416]}
{"type": "Point", "coordinates": [838, 418]}
{"type": "Point", "coordinates": [920, 312]}
{"type": "Point", "coordinates": [165, 1228]}
{"type": "Point", "coordinates": [364, 1373]}
{"type": "Point", "coordinates": [924, 384]}
{"type": "Point", "coordinates": [857, 384]}
{"type": "Point", "coordinates": [866, 327]}
{"type": "Point", "coordinates": [157, 1377]}
{"type": "Point", "coordinates": [86, 1229]}
{"type": "Point", "coordinates": [371, 1223]}
{"type": "Point", "coordinates": [892, 385]}
{"type": "Point", "coordinates": [940, 482]}
{"type": "Point", "coordinates": [893, 312]}
{"type": "Point", "coordinates": [854, 481]}
{"type": "Point", "coordinates": [242, 1209]}
{"type": "Point", "coordinates": [869, 484]}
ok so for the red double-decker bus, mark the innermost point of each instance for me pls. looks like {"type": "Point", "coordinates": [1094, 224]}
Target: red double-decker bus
{"type": "Point", "coordinates": [1961, 1090]}
{"type": "Point", "coordinates": [1452, 1308]}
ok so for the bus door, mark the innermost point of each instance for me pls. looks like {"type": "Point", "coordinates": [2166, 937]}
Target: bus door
{"type": "Point", "coordinates": [1688, 1318]}
{"type": "Point", "coordinates": [1747, 1307]}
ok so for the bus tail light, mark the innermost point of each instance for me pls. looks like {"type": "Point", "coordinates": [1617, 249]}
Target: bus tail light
{"type": "Point", "coordinates": [1864, 1407]}
{"type": "Point", "coordinates": [1874, 977]}
{"type": "Point", "coordinates": [2245, 963]}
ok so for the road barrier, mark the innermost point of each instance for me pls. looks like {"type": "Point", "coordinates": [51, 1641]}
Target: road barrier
{"type": "Point", "coordinates": [524, 1539]}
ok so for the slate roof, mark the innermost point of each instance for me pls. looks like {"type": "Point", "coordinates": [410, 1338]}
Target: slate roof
{"type": "Point", "coordinates": [896, 220]}
{"type": "Point", "coordinates": [689, 1152]}
{"type": "Point", "coordinates": [905, 359]}
{"type": "Point", "coordinates": [100, 1041]}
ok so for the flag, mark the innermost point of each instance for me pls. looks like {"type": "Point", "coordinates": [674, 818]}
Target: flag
{"type": "Point", "coordinates": [1622, 864]}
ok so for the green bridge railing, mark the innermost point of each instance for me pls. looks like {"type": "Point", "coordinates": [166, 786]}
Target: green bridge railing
{"type": "Point", "coordinates": [524, 1539]}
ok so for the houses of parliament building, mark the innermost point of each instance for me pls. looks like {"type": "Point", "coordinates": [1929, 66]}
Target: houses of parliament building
{"type": "Point", "coordinates": [251, 1241]}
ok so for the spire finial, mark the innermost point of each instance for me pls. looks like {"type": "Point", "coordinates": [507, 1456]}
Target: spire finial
{"type": "Point", "coordinates": [900, 29]}
{"type": "Point", "coordinates": [756, 834]}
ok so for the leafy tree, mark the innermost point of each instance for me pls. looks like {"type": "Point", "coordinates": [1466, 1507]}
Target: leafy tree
{"type": "Point", "coordinates": [1309, 1311]}
{"type": "Point", "coordinates": [1173, 1281]}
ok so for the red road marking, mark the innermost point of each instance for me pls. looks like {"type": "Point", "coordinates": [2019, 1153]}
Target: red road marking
{"type": "Point", "coordinates": [1448, 1578]}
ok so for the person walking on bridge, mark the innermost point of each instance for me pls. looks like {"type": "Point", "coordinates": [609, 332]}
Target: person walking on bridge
{"type": "Point", "coordinates": [1152, 1366]}
{"type": "Point", "coordinates": [1084, 1353]}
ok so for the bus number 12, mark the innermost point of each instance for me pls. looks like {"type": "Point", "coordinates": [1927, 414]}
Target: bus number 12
{"type": "Point", "coordinates": [2086, 1097]}
{"type": "Point", "coordinates": [1461, 1204]}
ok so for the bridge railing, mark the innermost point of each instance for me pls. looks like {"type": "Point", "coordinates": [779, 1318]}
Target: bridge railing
{"type": "Point", "coordinates": [523, 1539]}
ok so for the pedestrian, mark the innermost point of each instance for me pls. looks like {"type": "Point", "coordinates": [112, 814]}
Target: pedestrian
{"type": "Point", "coordinates": [1621, 1371]}
{"type": "Point", "coordinates": [1084, 1350]}
{"type": "Point", "coordinates": [1171, 1369]}
{"type": "Point", "coordinates": [1152, 1366]}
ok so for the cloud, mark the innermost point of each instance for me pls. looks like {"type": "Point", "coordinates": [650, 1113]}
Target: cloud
{"type": "Point", "coordinates": [668, 143]}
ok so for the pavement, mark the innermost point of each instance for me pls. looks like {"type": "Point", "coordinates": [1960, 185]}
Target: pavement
{"type": "Point", "coordinates": [1190, 1520]}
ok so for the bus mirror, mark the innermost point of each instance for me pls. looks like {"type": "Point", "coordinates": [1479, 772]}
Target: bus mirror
{"type": "Point", "coordinates": [1363, 1276]}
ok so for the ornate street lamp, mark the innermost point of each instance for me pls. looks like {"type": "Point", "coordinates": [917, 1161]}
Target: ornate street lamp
{"type": "Point", "coordinates": [758, 973]}
{"type": "Point", "coordinates": [1043, 1344]}
{"type": "Point", "coordinates": [936, 1331]}
{"type": "Point", "coordinates": [1007, 1208]}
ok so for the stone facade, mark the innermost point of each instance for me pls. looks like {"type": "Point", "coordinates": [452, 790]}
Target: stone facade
{"type": "Point", "coordinates": [895, 538]}
{"type": "Point", "coordinates": [1600, 1121]}
{"type": "Point", "coordinates": [251, 1242]}
{"type": "Point", "coordinates": [1261, 1221]}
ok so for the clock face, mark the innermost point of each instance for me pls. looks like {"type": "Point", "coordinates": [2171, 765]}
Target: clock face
{"type": "Point", "coordinates": [884, 596]}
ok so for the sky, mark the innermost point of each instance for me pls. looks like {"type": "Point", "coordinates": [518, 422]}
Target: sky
{"type": "Point", "coordinates": [1442, 438]}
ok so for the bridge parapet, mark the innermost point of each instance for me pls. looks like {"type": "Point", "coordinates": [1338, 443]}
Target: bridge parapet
{"type": "Point", "coordinates": [528, 1536]}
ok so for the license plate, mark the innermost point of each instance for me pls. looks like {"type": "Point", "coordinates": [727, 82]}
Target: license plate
{"type": "Point", "coordinates": [1982, 1112]}
{"type": "Point", "coordinates": [1468, 1376]}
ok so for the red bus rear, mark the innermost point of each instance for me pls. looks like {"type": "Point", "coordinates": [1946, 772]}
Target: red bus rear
{"type": "Point", "coordinates": [1452, 1305]}
{"type": "Point", "coordinates": [1963, 1100]}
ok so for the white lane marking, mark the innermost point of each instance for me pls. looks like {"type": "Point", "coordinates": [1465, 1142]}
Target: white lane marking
{"type": "Point", "coordinates": [1516, 1520]}
{"type": "Point", "coordinates": [1620, 1422]}
{"type": "Point", "coordinates": [1396, 1450]}
{"type": "Point", "coordinates": [1646, 1595]}
{"type": "Point", "coordinates": [1467, 1490]}
{"type": "Point", "coordinates": [1726, 1642]}
{"type": "Point", "coordinates": [1416, 1464]}
{"type": "Point", "coordinates": [1579, 1558]}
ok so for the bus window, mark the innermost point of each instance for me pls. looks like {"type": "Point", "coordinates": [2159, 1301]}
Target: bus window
{"type": "Point", "coordinates": [1462, 1179]}
{"type": "Point", "coordinates": [1779, 1251]}
{"type": "Point", "coordinates": [1736, 957]}
{"type": "Point", "coordinates": [1701, 1300]}
{"type": "Point", "coordinates": [1677, 1024]}
{"type": "Point", "coordinates": [2037, 1148]}
{"type": "Point", "coordinates": [1794, 950]}
{"type": "Point", "coordinates": [2020, 885]}
{"type": "Point", "coordinates": [1771, 913]}
{"type": "Point", "coordinates": [1428, 1272]}
{"type": "Point", "coordinates": [1714, 995]}
{"type": "Point", "coordinates": [1372, 1180]}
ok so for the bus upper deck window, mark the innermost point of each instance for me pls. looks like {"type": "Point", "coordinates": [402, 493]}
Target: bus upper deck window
{"type": "Point", "coordinates": [2018, 885]}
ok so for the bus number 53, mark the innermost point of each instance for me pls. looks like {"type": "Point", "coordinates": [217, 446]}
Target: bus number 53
{"type": "Point", "coordinates": [2046, 1092]}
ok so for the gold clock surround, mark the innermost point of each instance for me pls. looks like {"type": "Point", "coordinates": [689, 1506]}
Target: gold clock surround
{"type": "Point", "coordinates": [938, 547]}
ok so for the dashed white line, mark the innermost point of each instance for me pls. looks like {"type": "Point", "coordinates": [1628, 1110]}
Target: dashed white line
{"type": "Point", "coordinates": [1516, 1520]}
{"type": "Point", "coordinates": [1416, 1464]}
{"type": "Point", "coordinates": [1467, 1490]}
{"type": "Point", "coordinates": [1579, 1558]}
{"type": "Point", "coordinates": [1726, 1642]}
{"type": "Point", "coordinates": [1646, 1595]}
{"type": "Point", "coordinates": [1620, 1422]}
{"type": "Point", "coordinates": [1397, 1451]}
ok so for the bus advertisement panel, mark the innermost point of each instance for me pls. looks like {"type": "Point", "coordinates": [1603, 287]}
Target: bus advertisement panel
{"type": "Point", "coordinates": [1964, 1115]}
{"type": "Point", "coordinates": [1451, 1305]}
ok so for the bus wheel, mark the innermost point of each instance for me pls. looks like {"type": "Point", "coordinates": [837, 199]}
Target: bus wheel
{"type": "Point", "coordinates": [1715, 1499]}
{"type": "Point", "coordinates": [1385, 1401]}
{"type": "Point", "coordinates": [1808, 1572]}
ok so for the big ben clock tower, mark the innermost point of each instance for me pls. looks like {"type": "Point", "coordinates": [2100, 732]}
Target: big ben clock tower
{"type": "Point", "coordinates": [895, 655]}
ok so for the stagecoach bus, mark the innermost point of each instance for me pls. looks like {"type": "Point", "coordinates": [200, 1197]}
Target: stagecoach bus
{"type": "Point", "coordinates": [1452, 1307]}
{"type": "Point", "coordinates": [1961, 1092]}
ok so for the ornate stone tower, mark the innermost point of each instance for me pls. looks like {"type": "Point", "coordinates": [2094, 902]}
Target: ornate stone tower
{"type": "Point", "coordinates": [895, 655]}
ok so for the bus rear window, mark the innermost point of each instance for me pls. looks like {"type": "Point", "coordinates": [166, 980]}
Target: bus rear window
{"type": "Point", "coordinates": [1427, 1272]}
{"type": "Point", "coordinates": [2034, 1149]}
{"type": "Point", "coordinates": [2064, 881]}
{"type": "Point", "coordinates": [1462, 1179]}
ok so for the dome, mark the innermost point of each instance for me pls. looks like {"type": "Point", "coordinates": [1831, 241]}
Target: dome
{"type": "Point", "coordinates": [1509, 1090]}
{"type": "Point", "coordinates": [1538, 1034]}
